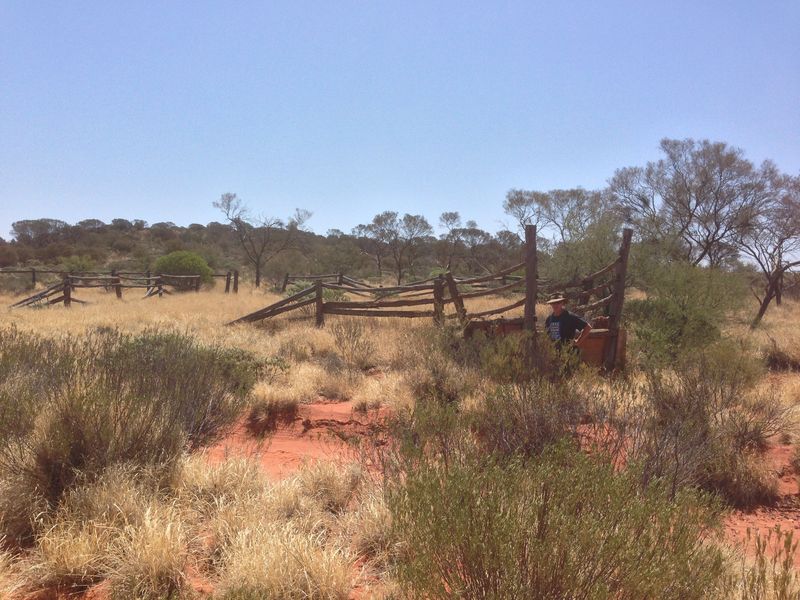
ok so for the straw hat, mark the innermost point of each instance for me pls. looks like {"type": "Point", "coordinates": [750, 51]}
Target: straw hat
{"type": "Point", "coordinates": [556, 298]}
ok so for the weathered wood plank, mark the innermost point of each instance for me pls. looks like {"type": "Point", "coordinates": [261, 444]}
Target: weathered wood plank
{"type": "Point", "coordinates": [379, 313]}
{"type": "Point", "coordinates": [497, 311]}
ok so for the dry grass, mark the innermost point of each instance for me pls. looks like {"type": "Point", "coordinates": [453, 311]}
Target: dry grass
{"type": "Point", "coordinates": [389, 389]}
{"type": "Point", "coordinates": [9, 578]}
{"type": "Point", "coordinates": [368, 530]}
{"type": "Point", "coordinates": [149, 560]}
{"type": "Point", "coordinates": [271, 406]}
{"type": "Point", "coordinates": [279, 563]}
{"type": "Point", "coordinates": [331, 484]}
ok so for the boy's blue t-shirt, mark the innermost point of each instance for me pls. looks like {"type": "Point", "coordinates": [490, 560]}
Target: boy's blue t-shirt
{"type": "Point", "coordinates": [564, 326]}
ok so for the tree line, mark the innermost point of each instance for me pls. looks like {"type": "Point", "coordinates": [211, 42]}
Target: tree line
{"type": "Point", "coordinates": [700, 203]}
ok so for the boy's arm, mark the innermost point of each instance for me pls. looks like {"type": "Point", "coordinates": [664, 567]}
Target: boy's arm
{"type": "Point", "coordinates": [583, 336]}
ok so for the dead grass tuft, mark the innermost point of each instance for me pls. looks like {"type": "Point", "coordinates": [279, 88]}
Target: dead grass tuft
{"type": "Point", "coordinates": [278, 562]}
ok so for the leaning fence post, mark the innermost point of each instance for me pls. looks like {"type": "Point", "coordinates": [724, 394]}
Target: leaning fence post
{"type": "Point", "coordinates": [617, 301]}
{"type": "Point", "coordinates": [529, 320]}
{"type": "Point", "coordinates": [236, 282]}
{"type": "Point", "coordinates": [67, 291]}
{"type": "Point", "coordinates": [320, 305]}
{"type": "Point", "coordinates": [438, 300]}
{"type": "Point", "coordinates": [285, 283]}
{"type": "Point", "coordinates": [228, 282]}
{"type": "Point", "coordinates": [458, 301]}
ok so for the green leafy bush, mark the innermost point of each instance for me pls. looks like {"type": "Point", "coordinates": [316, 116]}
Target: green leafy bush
{"type": "Point", "coordinates": [683, 311]}
{"type": "Point", "coordinates": [184, 262]}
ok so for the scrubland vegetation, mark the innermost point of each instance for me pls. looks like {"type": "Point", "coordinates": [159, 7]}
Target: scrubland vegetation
{"type": "Point", "coordinates": [490, 477]}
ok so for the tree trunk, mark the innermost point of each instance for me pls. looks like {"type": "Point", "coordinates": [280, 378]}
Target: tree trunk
{"type": "Point", "coordinates": [779, 291]}
{"type": "Point", "coordinates": [258, 274]}
{"type": "Point", "coordinates": [769, 294]}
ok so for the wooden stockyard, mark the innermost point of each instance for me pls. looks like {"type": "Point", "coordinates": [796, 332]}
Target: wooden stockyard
{"type": "Point", "coordinates": [153, 285]}
{"type": "Point", "coordinates": [601, 293]}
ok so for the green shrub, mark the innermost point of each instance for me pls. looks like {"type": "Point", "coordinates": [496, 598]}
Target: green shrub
{"type": "Point", "coordinates": [705, 425]}
{"type": "Point", "coordinates": [184, 262]}
{"type": "Point", "coordinates": [524, 418]}
{"type": "Point", "coordinates": [683, 311]}
{"type": "Point", "coordinates": [563, 527]}
{"type": "Point", "coordinates": [79, 264]}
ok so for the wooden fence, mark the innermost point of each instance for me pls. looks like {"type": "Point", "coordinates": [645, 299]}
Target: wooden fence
{"type": "Point", "coordinates": [35, 275]}
{"type": "Point", "coordinates": [598, 293]}
{"type": "Point", "coordinates": [63, 291]}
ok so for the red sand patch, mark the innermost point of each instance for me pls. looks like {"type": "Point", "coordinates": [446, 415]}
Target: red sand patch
{"type": "Point", "coordinates": [785, 514]}
{"type": "Point", "coordinates": [320, 432]}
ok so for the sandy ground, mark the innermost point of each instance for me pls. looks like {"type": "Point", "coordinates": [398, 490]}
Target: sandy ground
{"type": "Point", "coordinates": [785, 514]}
{"type": "Point", "coordinates": [320, 432]}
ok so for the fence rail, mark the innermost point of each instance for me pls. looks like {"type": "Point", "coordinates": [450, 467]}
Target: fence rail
{"type": "Point", "coordinates": [154, 285]}
{"type": "Point", "coordinates": [231, 277]}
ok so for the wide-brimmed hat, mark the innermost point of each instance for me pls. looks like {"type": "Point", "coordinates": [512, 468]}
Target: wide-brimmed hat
{"type": "Point", "coordinates": [556, 298]}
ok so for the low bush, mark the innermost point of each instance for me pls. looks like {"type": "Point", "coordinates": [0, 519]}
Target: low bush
{"type": "Point", "coordinates": [352, 339]}
{"type": "Point", "coordinates": [269, 409]}
{"type": "Point", "coordinates": [73, 407]}
{"type": "Point", "coordinates": [564, 526]}
{"type": "Point", "coordinates": [330, 484]}
{"type": "Point", "coordinates": [778, 358]}
{"type": "Point", "coordinates": [370, 533]}
{"type": "Point", "coordinates": [526, 417]}
{"type": "Point", "coordinates": [149, 560]}
{"type": "Point", "coordinates": [439, 379]}
{"type": "Point", "coordinates": [705, 425]}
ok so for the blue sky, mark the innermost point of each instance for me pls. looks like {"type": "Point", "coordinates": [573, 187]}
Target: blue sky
{"type": "Point", "coordinates": [152, 110]}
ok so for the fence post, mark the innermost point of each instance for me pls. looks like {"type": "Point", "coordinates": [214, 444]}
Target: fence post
{"type": "Point", "coordinates": [438, 300]}
{"type": "Point", "coordinates": [197, 283]}
{"type": "Point", "coordinates": [160, 286]}
{"type": "Point", "coordinates": [529, 321]}
{"type": "Point", "coordinates": [67, 292]}
{"type": "Point", "coordinates": [320, 305]}
{"type": "Point", "coordinates": [236, 282]}
{"type": "Point", "coordinates": [228, 282]}
{"type": "Point", "coordinates": [458, 302]}
{"type": "Point", "coordinates": [33, 276]}
{"type": "Point", "coordinates": [341, 279]}
{"type": "Point", "coordinates": [117, 284]}
{"type": "Point", "coordinates": [584, 297]}
{"type": "Point", "coordinates": [285, 283]}
{"type": "Point", "coordinates": [617, 301]}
